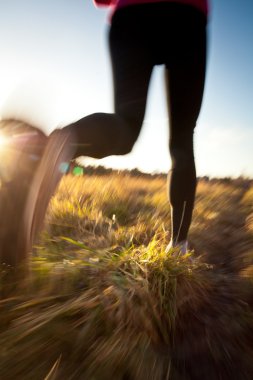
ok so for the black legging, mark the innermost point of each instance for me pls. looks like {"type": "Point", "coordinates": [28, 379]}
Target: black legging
{"type": "Point", "coordinates": [142, 36]}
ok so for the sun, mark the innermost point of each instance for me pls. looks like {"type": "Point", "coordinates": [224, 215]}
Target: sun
{"type": "Point", "coordinates": [3, 140]}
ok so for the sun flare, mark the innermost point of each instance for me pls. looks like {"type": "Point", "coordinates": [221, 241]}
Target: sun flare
{"type": "Point", "coordinates": [3, 140]}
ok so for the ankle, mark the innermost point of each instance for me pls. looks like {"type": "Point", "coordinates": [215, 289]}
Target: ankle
{"type": "Point", "coordinates": [182, 246]}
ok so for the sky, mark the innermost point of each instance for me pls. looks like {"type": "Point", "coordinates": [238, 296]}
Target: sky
{"type": "Point", "coordinates": [55, 68]}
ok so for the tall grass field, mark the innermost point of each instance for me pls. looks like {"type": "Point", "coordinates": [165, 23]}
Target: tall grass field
{"type": "Point", "coordinates": [103, 301]}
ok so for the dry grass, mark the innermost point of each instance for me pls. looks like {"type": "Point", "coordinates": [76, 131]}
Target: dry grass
{"type": "Point", "coordinates": [104, 301]}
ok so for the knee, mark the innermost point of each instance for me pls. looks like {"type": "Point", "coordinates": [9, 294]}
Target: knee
{"type": "Point", "coordinates": [128, 138]}
{"type": "Point", "coordinates": [181, 150]}
{"type": "Point", "coordinates": [182, 158]}
{"type": "Point", "coordinates": [126, 145]}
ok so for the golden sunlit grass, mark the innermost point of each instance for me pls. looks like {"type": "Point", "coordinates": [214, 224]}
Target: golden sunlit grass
{"type": "Point", "coordinates": [104, 301]}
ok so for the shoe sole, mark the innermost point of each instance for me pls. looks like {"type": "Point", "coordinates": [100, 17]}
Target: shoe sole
{"type": "Point", "coordinates": [47, 177]}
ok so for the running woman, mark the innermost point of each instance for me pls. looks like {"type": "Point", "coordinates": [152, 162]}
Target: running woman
{"type": "Point", "coordinates": [142, 34]}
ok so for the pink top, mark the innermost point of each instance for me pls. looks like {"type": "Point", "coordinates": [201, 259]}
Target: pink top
{"type": "Point", "coordinates": [202, 5]}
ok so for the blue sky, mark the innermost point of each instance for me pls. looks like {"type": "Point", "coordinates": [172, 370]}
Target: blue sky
{"type": "Point", "coordinates": [54, 69]}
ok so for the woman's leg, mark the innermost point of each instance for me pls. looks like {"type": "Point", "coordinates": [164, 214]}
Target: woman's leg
{"type": "Point", "coordinates": [185, 83]}
{"type": "Point", "coordinates": [100, 135]}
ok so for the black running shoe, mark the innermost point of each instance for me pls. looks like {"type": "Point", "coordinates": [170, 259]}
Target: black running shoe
{"type": "Point", "coordinates": [21, 148]}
